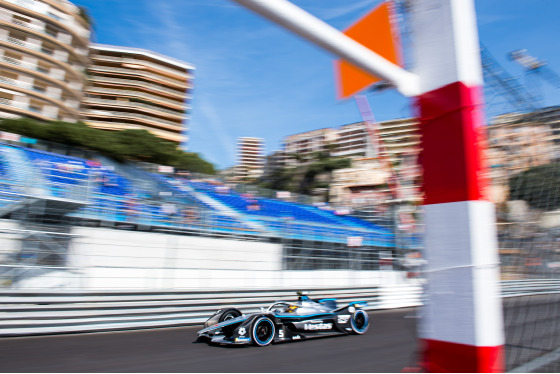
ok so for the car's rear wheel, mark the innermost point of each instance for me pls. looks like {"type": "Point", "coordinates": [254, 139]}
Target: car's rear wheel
{"type": "Point", "coordinates": [359, 322]}
{"type": "Point", "coordinates": [229, 314]}
{"type": "Point", "coordinates": [263, 331]}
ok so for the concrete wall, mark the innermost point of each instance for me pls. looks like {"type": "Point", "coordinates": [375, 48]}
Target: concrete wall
{"type": "Point", "coordinates": [109, 259]}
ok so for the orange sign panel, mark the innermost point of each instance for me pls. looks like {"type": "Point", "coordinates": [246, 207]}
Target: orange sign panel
{"type": "Point", "coordinates": [376, 31]}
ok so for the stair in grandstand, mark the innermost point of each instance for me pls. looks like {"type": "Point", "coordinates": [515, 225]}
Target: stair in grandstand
{"type": "Point", "coordinates": [342, 220]}
{"type": "Point", "coordinates": [143, 182]}
{"type": "Point", "coordinates": [203, 197]}
{"type": "Point", "coordinates": [21, 173]}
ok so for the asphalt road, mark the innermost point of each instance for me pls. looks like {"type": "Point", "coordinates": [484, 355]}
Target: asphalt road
{"type": "Point", "coordinates": [388, 346]}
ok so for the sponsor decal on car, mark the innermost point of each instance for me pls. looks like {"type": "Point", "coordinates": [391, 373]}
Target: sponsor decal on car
{"type": "Point", "coordinates": [242, 339]}
{"type": "Point", "coordinates": [318, 326]}
{"type": "Point", "coordinates": [296, 337]}
{"type": "Point", "coordinates": [343, 318]}
{"type": "Point", "coordinates": [242, 331]}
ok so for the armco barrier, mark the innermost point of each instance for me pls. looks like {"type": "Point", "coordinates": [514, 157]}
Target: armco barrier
{"type": "Point", "coordinates": [35, 313]}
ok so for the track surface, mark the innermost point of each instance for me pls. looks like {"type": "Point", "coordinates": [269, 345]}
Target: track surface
{"type": "Point", "coordinates": [388, 346]}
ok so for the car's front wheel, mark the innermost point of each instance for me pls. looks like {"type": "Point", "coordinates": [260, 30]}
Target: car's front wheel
{"type": "Point", "coordinates": [263, 331]}
{"type": "Point", "coordinates": [230, 314]}
{"type": "Point", "coordinates": [360, 322]}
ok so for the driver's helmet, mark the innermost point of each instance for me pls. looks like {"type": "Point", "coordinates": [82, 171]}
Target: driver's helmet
{"type": "Point", "coordinates": [291, 309]}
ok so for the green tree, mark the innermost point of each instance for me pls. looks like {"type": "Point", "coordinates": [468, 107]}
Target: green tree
{"type": "Point", "coordinates": [538, 186]}
{"type": "Point", "coordinates": [304, 178]}
{"type": "Point", "coordinates": [135, 145]}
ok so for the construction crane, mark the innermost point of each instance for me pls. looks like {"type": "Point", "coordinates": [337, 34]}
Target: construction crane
{"type": "Point", "coordinates": [498, 80]}
{"type": "Point", "coordinates": [403, 218]}
{"type": "Point", "coordinates": [377, 145]}
{"type": "Point", "coordinates": [535, 68]}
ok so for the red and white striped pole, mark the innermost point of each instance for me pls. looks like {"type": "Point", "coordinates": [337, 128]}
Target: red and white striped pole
{"type": "Point", "coordinates": [461, 326]}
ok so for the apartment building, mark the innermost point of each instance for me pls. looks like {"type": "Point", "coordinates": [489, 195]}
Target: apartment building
{"type": "Point", "coordinates": [352, 140]}
{"type": "Point", "coordinates": [131, 88]}
{"type": "Point", "coordinates": [43, 57]}
{"type": "Point", "coordinates": [519, 141]}
{"type": "Point", "coordinates": [366, 180]}
{"type": "Point", "coordinates": [300, 145]}
{"type": "Point", "coordinates": [250, 158]}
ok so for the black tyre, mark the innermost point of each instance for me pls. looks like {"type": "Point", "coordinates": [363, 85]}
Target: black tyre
{"type": "Point", "coordinates": [359, 322]}
{"type": "Point", "coordinates": [229, 314]}
{"type": "Point", "coordinates": [263, 331]}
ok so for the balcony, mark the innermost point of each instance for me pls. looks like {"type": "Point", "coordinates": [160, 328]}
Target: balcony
{"type": "Point", "coordinates": [61, 37]}
{"type": "Point", "coordinates": [173, 136]}
{"type": "Point", "coordinates": [183, 85]}
{"type": "Point", "coordinates": [122, 60]}
{"type": "Point", "coordinates": [148, 97]}
{"type": "Point", "coordinates": [77, 86]}
{"type": "Point", "coordinates": [31, 108]}
{"type": "Point", "coordinates": [43, 91]}
{"type": "Point", "coordinates": [156, 121]}
{"type": "Point", "coordinates": [142, 84]}
{"type": "Point", "coordinates": [132, 104]}
{"type": "Point", "coordinates": [34, 47]}
{"type": "Point", "coordinates": [43, 9]}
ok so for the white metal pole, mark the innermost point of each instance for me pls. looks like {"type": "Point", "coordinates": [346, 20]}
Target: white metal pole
{"type": "Point", "coordinates": [322, 34]}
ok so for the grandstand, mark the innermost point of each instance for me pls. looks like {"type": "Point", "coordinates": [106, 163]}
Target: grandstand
{"type": "Point", "coordinates": [140, 200]}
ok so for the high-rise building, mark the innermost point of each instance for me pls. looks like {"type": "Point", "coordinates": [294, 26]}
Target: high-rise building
{"type": "Point", "coordinates": [131, 88]}
{"type": "Point", "coordinates": [43, 57]}
{"type": "Point", "coordinates": [250, 158]}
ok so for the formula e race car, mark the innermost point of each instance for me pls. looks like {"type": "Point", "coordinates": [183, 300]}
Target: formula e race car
{"type": "Point", "coordinates": [285, 321]}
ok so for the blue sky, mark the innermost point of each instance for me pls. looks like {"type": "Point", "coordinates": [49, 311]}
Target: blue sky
{"type": "Point", "coordinates": [253, 78]}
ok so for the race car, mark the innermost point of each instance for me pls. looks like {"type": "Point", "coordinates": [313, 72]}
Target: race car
{"type": "Point", "coordinates": [285, 321]}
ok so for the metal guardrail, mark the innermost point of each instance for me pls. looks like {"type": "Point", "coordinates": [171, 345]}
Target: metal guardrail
{"type": "Point", "coordinates": [37, 313]}
{"type": "Point", "coordinates": [530, 287]}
